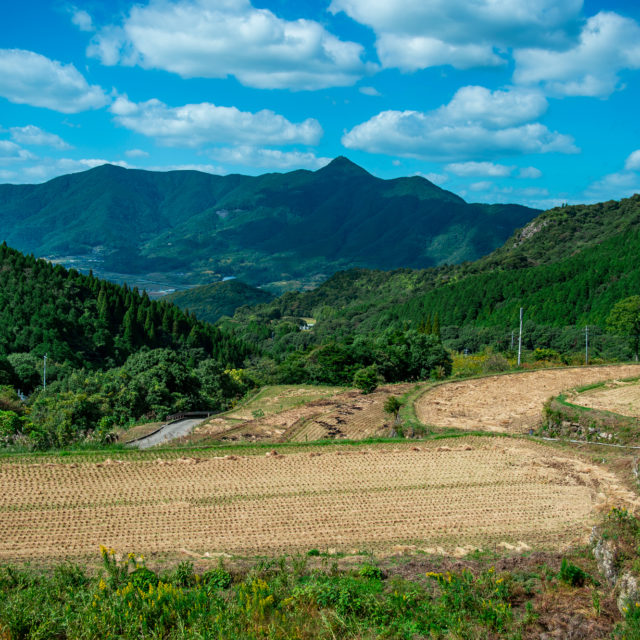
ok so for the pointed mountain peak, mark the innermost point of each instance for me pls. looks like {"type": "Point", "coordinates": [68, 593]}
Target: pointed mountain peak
{"type": "Point", "coordinates": [342, 165]}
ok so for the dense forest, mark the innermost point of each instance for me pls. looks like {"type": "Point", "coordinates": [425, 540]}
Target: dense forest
{"type": "Point", "coordinates": [567, 269]}
{"type": "Point", "coordinates": [82, 321]}
{"type": "Point", "coordinates": [113, 355]}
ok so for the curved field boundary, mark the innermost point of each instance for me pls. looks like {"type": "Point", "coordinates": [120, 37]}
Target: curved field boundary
{"type": "Point", "coordinates": [587, 413]}
{"type": "Point", "coordinates": [347, 415]}
{"type": "Point", "coordinates": [507, 403]}
{"type": "Point", "coordinates": [620, 398]}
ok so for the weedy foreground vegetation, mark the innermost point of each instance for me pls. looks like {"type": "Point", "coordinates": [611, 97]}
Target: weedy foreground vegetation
{"type": "Point", "coordinates": [314, 595]}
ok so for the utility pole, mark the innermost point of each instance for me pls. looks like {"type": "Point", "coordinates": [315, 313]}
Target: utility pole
{"type": "Point", "coordinates": [586, 344]}
{"type": "Point", "coordinates": [520, 339]}
{"type": "Point", "coordinates": [44, 373]}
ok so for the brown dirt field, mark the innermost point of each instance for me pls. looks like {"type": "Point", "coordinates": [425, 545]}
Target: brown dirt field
{"type": "Point", "coordinates": [474, 492]}
{"type": "Point", "coordinates": [509, 403]}
{"type": "Point", "coordinates": [620, 397]}
{"type": "Point", "coordinates": [349, 415]}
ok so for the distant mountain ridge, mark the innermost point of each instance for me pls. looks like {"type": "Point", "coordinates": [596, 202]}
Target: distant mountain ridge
{"type": "Point", "coordinates": [284, 230]}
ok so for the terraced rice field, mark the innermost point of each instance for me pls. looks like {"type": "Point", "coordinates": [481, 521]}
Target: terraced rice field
{"type": "Point", "coordinates": [508, 403]}
{"type": "Point", "coordinates": [276, 398]}
{"type": "Point", "coordinates": [348, 414]}
{"type": "Point", "coordinates": [473, 492]}
{"type": "Point", "coordinates": [619, 397]}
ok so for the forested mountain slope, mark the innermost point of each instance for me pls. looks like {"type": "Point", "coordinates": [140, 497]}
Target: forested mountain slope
{"type": "Point", "coordinates": [581, 259]}
{"type": "Point", "coordinates": [210, 302]}
{"type": "Point", "coordinates": [283, 229]}
{"type": "Point", "coordinates": [84, 321]}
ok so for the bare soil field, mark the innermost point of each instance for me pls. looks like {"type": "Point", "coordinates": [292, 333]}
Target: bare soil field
{"type": "Point", "coordinates": [349, 415]}
{"type": "Point", "coordinates": [508, 403]}
{"type": "Point", "coordinates": [470, 493]}
{"type": "Point", "coordinates": [619, 397]}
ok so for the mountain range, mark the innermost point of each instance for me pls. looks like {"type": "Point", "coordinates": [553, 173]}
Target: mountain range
{"type": "Point", "coordinates": [282, 231]}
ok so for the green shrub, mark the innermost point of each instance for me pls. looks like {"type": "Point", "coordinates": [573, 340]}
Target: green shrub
{"type": "Point", "coordinates": [367, 379]}
{"type": "Point", "coordinates": [545, 354]}
{"type": "Point", "coordinates": [184, 575]}
{"type": "Point", "coordinates": [371, 572]}
{"type": "Point", "coordinates": [217, 578]}
{"type": "Point", "coordinates": [495, 363]}
{"type": "Point", "coordinates": [142, 577]}
{"type": "Point", "coordinates": [572, 575]}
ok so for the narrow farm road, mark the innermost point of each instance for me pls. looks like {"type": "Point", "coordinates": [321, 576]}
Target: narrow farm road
{"type": "Point", "coordinates": [167, 433]}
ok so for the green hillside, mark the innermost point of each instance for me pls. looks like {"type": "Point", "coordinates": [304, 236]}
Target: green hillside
{"type": "Point", "coordinates": [212, 301]}
{"type": "Point", "coordinates": [287, 230]}
{"type": "Point", "coordinates": [114, 357]}
{"type": "Point", "coordinates": [565, 231]}
{"type": "Point", "coordinates": [81, 321]}
{"type": "Point", "coordinates": [581, 259]}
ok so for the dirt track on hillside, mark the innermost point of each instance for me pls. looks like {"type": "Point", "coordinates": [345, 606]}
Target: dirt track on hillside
{"type": "Point", "coordinates": [508, 403]}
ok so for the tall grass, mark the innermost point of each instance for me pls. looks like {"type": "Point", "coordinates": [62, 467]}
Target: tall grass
{"type": "Point", "coordinates": [280, 599]}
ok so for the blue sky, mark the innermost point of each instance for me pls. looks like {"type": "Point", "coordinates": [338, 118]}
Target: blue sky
{"type": "Point", "coordinates": [527, 101]}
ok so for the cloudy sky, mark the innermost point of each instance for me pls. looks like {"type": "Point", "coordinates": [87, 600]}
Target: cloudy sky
{"type": "Point", "coordinates": [528, 101]}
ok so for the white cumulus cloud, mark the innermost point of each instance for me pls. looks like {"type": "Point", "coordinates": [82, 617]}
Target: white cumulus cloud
{"type": "Point", "coordinates": [477, 124]}
{"type": "Point", "coordinates": [633, 161]}
{"type": "Point", "coordinates": [614, 185]}
{"type": "Point", "coordinates": [479, 169]}
{"type": "Point", "coordinates": [30, 78]}
{"type": "Point", "coordinates": [136, 153]}
{"type": "Point", "coordinates": [11, 152]}
{"type": "Point", "coordinates": [369, 91]}
{"type": "Point", "coordinates": [217, 39]}
{"type": "Point", "coordinates": [268, 158]}
{"type": "Point", "coordinates": [194, 125]}
{"type": "Point", "coordinates": [32, 135]}
{"type": "Point", "coordinates": [493, 108]}
{"type": "Point", "coordinates": [608, 44]}
{"type": "Point", "coordinates": [415, 34]}
{"type": "Point", "coordinates": [530, 172]}
{"type": "Point", "coordinates": [481, 186]}
{"type": "Point", "coordinates": [82, 19]}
